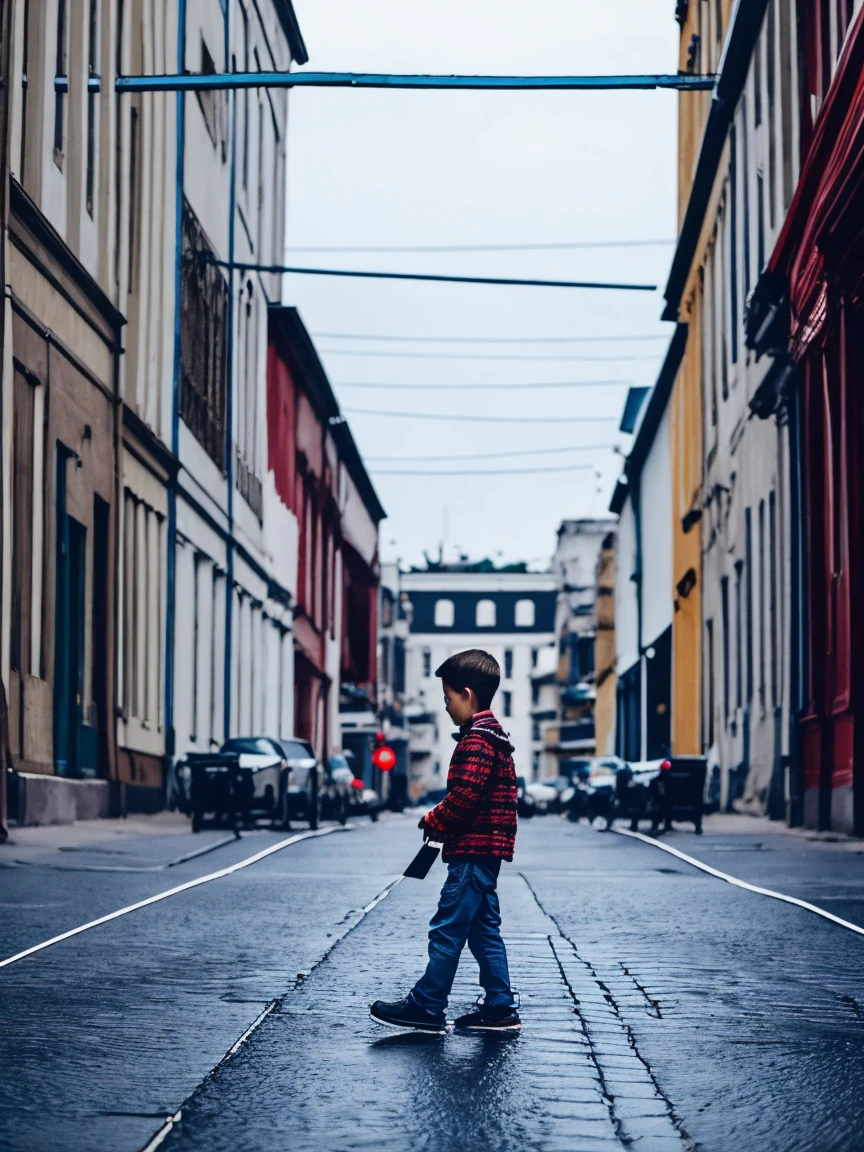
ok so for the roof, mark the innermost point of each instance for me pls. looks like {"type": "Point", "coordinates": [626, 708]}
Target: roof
{"type": "Point", "coordinates": [289, 334]}
{"type": "Point", "coordinates": [288, 20]}
{"type": "Point", "coordinates": [654, 410]}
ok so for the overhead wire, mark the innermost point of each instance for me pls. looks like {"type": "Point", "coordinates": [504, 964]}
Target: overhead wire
{"type": "Point", "coordinates": [483, 419]}
{"type": "Point", "coordinates": [491, 455]}
{"type": "Point", "coordinates": [368, 336]}
{"type": "Point", "coordinates": [504, 356]}
{"type": "Point", "coordinates": [541, 246]}
{"type": "Point", "coordinates": [485, 471]}
{"type": "Point", "coordinates": [484, 387]}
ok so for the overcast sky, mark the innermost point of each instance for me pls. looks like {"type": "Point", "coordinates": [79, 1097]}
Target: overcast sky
{"type": "Point", "coordinates": [440, 168]}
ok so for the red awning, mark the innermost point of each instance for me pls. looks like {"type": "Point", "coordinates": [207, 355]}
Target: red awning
{"type": "Point", "coordinates": [825, 219]}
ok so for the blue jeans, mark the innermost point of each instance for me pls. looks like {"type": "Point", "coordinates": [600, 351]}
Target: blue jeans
{"type": "Point", "coordinates": [468, 911]}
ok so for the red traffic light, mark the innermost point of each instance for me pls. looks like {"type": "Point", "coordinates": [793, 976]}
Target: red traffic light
{"type": "Point", "coordinates": [384, 758]}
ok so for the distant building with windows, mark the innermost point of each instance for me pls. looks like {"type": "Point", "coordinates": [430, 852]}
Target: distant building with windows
{"type": "Point", "coordinates": [509, 612]}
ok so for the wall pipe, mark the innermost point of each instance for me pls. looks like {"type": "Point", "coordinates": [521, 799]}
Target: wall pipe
{"type": "Point", "coordinates": [283, 269]}
{"type": "Point", "coordinates": [229, 413]}
{"type": "Point", "coordinates": [211, 82]}
{"type": "Point", "coordinates": [171, 574]}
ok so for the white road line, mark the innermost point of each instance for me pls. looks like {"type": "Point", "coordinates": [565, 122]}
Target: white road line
{"type": "Point", "coordinates": [170, 1121]}
{"type": "Point", "coordinates": [170, 892]}
{"type": "Point", "coordinates": [859, 931]}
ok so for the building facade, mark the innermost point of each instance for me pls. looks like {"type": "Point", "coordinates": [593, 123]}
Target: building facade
{"type": "Point", "coordinates": [643, 576]}
{"type": "Point", "coordinates": [805, 322]}
{"type": "Point", "coordinates": [319, 479]}
{"type": "Point", "coordinates": [509, 613]}
{"type": "Point", "coordinates": [149, 576]}
{"type": "Point", "coordinates": [571, 732]}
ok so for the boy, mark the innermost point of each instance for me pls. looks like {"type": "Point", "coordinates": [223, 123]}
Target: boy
{"type": "Point", "coordinates": [477, 823]}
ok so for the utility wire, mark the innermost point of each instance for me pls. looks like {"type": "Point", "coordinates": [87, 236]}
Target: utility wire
{"type": "Point", "coordinates": [285, 269]}
{"type": "Point", "coordinates": [490, 339]}
{"type": "Point", "coordinates": [482, 356]}
{"type": "Point", "coordinates": [489, 471]}
{"type": "Point", "coordinates": [491, 455]}
{"type": "Point", "coordinates": [566, 245]}
{"type": "Point", "coordinates": [484, 387]}
{"type": "Point", "coordinates": [484, 419]}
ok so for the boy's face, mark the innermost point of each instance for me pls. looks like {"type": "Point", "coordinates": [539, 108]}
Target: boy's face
{"type": "Point", "coordinates": [460, 705]}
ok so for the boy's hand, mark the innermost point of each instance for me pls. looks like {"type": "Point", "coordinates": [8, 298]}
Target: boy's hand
{"type": "Point", "coordinates": [423, 828]}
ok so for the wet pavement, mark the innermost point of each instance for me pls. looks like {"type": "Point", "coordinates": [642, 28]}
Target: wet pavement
{"type": "Point", "coordinates": [662, 1009]}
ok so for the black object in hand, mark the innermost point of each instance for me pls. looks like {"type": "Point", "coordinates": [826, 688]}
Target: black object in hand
{"type": "Point", "coordinates": [419, 867]}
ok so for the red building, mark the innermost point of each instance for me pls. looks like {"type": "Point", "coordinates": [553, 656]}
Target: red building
{"type": "Point", "coordinates": [320, 477]}
{"type": "Point", "coordinates": [819, 264]}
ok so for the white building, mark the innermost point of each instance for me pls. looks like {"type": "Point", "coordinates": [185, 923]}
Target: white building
{"type": "Point", "coordinates": [510, 614]}
{"type": "Point", "coordinates": [643, 578]}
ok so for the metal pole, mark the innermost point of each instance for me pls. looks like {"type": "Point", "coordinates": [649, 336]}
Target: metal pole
{"type": "Point", "coordinates": [200, 82]}
{"type": "Point", "coordinates": [280, 269]}
{"type": "Point", "coordinates": [229, 428]}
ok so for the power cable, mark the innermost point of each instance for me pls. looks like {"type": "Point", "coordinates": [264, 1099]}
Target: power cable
{"type": "Point", "coordinates": [482, 356]}
{"type": "Point", "coordinates": [566, 245]}
{"type": "Point", "coordinates": [285, 269]}
{"type": "Point", "coordinates": [488, 339]}
{"type": "Point", "coordinates": [488, 471]}
{"type": "Point", "coordinates": [484, 387]}
{"type": "Point", "coordinates": [491, 455]}
{"type": "Point", "coordinates": [483, 419]}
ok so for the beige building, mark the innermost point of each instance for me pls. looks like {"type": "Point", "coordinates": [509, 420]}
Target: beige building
{"type": "Point", "coordinates": [135, 480]}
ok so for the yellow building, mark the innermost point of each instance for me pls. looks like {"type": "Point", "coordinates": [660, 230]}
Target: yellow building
{"type": "Point", "coordinates": [702, 31]}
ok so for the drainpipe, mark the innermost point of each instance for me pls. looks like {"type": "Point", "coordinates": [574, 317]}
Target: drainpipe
{"type": "Point", "coordinates": [229, 409]}
{"type": "Point", "coordinates": [170, 607]}
{"type": "Point", "coordinates": [797, 653]}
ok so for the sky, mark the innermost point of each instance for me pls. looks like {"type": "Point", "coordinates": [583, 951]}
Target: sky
{"type": "Point", "coordinates": [397, 168]}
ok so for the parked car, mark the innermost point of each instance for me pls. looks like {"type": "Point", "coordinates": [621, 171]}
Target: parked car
{"type": "Point", "coordinates": [363, 801]}
{"type": "Point", "coordinates": [544, 797]}
{"type": "Point", "coordinates": [663, 791]}
{"type": "Point", "coordinates": [525, 807]}
{"type": "Point", "coordinates": [595, 787]}
{"type": "Point", "coordinates": [302, 781]}
{"type": "Point", "coordinates": [339, 794]}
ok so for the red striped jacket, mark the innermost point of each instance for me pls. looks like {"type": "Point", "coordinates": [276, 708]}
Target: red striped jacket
{"type": "Point", "coordinates": [477, 817]}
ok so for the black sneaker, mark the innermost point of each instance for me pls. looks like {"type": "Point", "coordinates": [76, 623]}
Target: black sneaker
{"type": "Point", "coordinates": [407, 1013]}
{"type": "Point", "coordinates": [496, 1020]}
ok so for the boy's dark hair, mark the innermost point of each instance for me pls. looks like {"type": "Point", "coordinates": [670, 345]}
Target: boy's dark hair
{"type": "Point", "coordinates": [474, 669]}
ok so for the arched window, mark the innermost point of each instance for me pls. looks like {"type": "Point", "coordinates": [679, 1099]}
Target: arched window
{"type": "Point", "coordinates": [444, 613]}
{"type": "Point", "coordinates": [524, 613]}
{"type": "Point", "coordinates": [485, 614]}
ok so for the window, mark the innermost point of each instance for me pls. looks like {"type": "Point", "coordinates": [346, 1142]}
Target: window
{"type": "Point", "coordinates": [733, 242]}
{"type": "Point", "coordinates": [60, 70]}
{"type": "Point", "coordinates": [203, 359]}
{"type": "Point", "coordinates": [508, 703]}
{"type": "Point", "coordinates": [724, 599]}
{"type": "Point", "coordinates": [213, 105]}
{"type": "Point", "coordinates": [524, 613]}
{"type": "Point", "coordinates": [709, 646]}
{"type": "Point", "coordinates": [771, 84]}
{"type": "Point", "coordinates": [772, 592]}
{"type": "Point", "coordinates": [748, 544]}
{"type": "Point", "coordinates": [245, 168]}
{"type": "Point", "coordinates": [485, 617]}
{"type": "Point", "coordinates": [508, 663]}
{"type": "Point", "coordinates": [762, 574]}
{"type": "Point", "coordinates": [24, 498]}
{"type": "Point", "coordinates": [427, 660]}
{"type": "Point", "coordinates": [739, 634]}
{"type": "Point", "coordinates": [444, 613]}
{"type": "Point", "coordinates": [92, 70]}
{"type": "Point", "coordinates": [143, 553]}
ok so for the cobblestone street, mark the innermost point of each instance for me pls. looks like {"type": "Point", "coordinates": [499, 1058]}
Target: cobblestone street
{"type": "Point", "coordinates": [661, 1007]}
